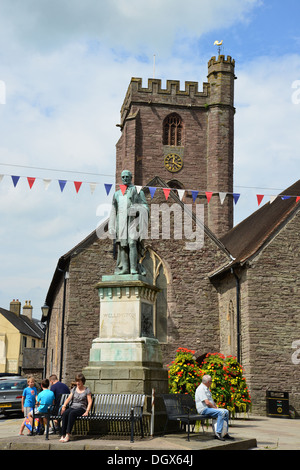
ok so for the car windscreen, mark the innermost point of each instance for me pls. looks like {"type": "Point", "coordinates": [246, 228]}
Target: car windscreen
{"type": "Point", "coordinates": [13, 385]}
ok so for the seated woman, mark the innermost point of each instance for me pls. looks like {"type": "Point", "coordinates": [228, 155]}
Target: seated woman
{"type": "Point", "coordinates": [80, 400]}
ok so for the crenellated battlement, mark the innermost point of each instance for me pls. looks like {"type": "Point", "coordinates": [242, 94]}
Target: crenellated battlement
{"type": "Point", "coordinates": [172, 87]}
{"type": "Point", "coordinates": [221, 60]}
{"type": "Point", "coordinates": [155, 94]}
{"type": "Point", "coordinates": [216, 90]}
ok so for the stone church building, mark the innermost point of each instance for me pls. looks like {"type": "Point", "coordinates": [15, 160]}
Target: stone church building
{"type": "Point", "coordinates": [237, 292]}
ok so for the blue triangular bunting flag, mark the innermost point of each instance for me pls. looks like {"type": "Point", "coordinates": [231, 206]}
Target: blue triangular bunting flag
{"type": "Point", "coordinates": [107, 188]}
{"type": "Point", "coordinates": [15, 180]}
{"type": "Point", "coordinates": [62, 184]}
{"type": "Point", "coordinates": [236, 197]}
{"type": "Point", "coordinates": [194, 195]}
{"type": "Point", "coordinates": [285, 197]}
{"type": "Point", "coordinates": [152, 191]}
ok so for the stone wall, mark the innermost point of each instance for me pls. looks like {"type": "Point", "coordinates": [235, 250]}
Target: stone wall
{"type": "Point", "coordinates": [269, 317]}
{"type": "Point", "coordinates": [274, 320]}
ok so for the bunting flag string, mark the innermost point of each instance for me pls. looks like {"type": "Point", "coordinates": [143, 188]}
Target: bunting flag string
{"type": "Point", "coordinates": [62, 184]}
{"type": "Point", "coordinates": [180, 192]}
{"type": "Point", "coordinates": [222, 197]}
{"type": "Point", "coordinates": [166, 192]}
{"type": "Point", "coordinates": [46, 183]}
{"type": "Point", "coordinates": [77, 185]}
{"type": "Point", "coordinates": [107, 188]}
{"type": "Point", "coordinates": [152, 191]}
{"type": "Point", "coordinates": [30, 181]}
{"type": "Point", "coordinates": [194, 195]}
{"type": "Point", "coordinates": [15, 180]}
{"type": "Point", "coordinates": [208, 195]}
{"type": "Point", "coordinates": [259, 198]}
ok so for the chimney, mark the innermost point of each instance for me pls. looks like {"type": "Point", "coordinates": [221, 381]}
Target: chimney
{"type": "Point", "coordinates": [27, 309]}
{"type": "Point", "coordinates": [15, 307]}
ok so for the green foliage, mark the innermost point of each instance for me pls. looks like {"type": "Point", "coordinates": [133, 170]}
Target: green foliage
{"type": "Point", "coordinates": [229, 389]}
{"type": "Point", "coordinates": [184, 373]}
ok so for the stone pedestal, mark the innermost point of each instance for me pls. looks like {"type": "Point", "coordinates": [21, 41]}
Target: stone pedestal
{"type": "Point", "coordinates": [126, 357]}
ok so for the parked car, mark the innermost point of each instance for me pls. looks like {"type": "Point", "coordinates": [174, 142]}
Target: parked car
{"type": "Point", "coordinates": [11, 390]}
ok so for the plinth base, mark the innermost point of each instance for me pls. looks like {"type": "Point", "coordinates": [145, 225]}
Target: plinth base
{"type": "Point", "coordinates": [126, 357]}
{"type": "Point", "coordinates": [122, 366]}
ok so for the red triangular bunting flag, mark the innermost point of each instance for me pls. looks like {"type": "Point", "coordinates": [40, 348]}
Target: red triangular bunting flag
{"type": "Point", "coordinates": [166, 192]}
{"type": "Point", "coordinates": [123, 188]}
{"type": "Point", "coordinates": [297, 198]}
{"type": "Point", "coordinates": [208, 195]}
{"type": "Point", "coordinates": [77, 185]}
{"type": "Point", "coordinates": [30, 181]}
{"type": "Point", "coordinates": [259, 198]}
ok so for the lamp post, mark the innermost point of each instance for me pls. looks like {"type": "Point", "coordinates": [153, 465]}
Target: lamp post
{"type": "Point", "coordinates": [45, 310]}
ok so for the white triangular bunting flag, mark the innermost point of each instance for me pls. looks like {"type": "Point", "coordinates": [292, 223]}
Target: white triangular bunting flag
{"type": "Point", "coordinates": [272, 199]}
{"type": "Point", "coordinates": [180, 193]}
{"type": "Point", "coordinates": [1, 178]}
{"type": "Point", "coordinates": [138, 188]}
{"type": "Point", "coordinates": [93, 187]}
{"type": "Point", "coordinates": [222, 197]}
{"type": "Point", "coordinates": [46, 183]}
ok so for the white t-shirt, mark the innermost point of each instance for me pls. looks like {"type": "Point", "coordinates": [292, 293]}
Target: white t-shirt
{"type": "Point", "coordinates": [202, 393]}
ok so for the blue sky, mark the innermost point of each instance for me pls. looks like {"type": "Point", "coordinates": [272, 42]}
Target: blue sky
{"type": "Point", "coordinates": [66, 67]}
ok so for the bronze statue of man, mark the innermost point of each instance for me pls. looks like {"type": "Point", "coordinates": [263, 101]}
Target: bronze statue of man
{"type": "Point", "coordinates": [128, 224]}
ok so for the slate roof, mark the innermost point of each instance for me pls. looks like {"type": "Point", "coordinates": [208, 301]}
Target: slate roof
{"type": "Point", "coordinates": [247, 238]}
{"type": "Point", "coordinates": [23, 324]}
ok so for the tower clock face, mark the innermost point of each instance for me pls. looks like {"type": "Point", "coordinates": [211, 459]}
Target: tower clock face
{"type": "Point", "coordinates": [173, 162]}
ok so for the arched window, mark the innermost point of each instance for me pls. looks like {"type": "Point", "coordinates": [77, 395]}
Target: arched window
{"type": "Point", "coordinates": [172, 130]}
{"type": "Point", "coordinates": [158, 276]}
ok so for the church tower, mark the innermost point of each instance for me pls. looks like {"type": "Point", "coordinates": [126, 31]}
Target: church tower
{"type": "Point", "coordinates": [183, 136]}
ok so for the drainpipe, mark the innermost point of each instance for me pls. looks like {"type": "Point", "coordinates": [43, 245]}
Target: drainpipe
{"type": "Point", "coordinates": [66, 276]}
{"type": "Point", "coordinates": [238, 333]}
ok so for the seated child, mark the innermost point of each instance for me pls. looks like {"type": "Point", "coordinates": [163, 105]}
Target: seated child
{"type": "Point", "coordinates": [44, 399]}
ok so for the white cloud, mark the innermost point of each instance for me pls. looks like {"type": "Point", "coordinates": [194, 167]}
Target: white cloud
{"type": "Point", "coordinates": [133, 25]}
{"type": "Point", "coordinates": [266, 128]}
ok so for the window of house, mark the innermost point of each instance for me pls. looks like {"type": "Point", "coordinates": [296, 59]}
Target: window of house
{"type": "Point", "coordinates": [172, 130]}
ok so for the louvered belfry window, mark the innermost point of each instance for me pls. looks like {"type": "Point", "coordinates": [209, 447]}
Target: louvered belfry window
{"type": "Point", "coordinates": [172, 130]}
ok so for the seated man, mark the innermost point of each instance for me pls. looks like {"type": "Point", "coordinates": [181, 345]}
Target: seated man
{"type": "Point", "coordinates": [207, 408]}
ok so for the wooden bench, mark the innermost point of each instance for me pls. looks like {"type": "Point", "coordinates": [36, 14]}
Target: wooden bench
{"type": "Point", "coordinates": [182, 408]}
{"type": "Point", "coordinates": [106, 407]}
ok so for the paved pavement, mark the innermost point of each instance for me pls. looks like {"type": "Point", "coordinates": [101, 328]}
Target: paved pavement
{"type": "Point", "coordinates": [252, 433]}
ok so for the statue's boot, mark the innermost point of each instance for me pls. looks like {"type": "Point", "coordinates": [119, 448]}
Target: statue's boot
{"type": "Point", "coordinates": [124, 265]}
{"type": "Point", "coordinates": [133, 259]}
